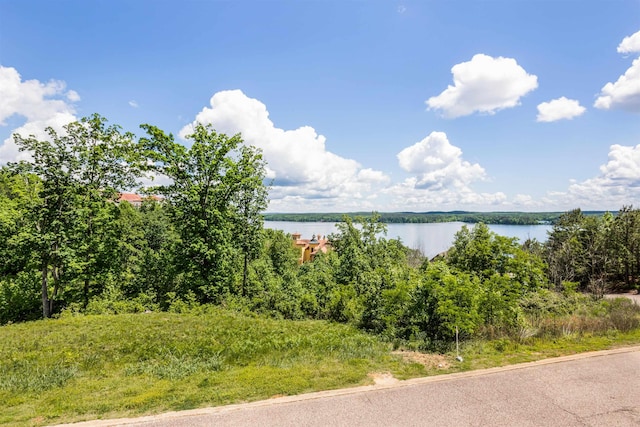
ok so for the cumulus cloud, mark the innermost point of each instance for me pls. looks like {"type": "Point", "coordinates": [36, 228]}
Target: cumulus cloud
{"type": "Point", "coordinates": [617, 184]}
{"type": "Point", "coordinates": [624, 94]}
{"type": "Point", "coordinates": [558, 109]}
{"type": "Point", "coordinates": [39, 104]}
{"type": "Point", "coordinates": [438, 164]}
{"type": "Point", "coordinates": [524, 200]}
{"type": "Point", "coordinates": [441, 177]}
{"type": "Point", "coordinates": [406, 196]}
{"type": "Point", "coordinates": [73, 96]}
{"type": "Point", "coordinates": [299, 163]}
{"type": "Point", "coordinates": [484, 84]}
{"type": "Point", "coordinates": [630, 44]}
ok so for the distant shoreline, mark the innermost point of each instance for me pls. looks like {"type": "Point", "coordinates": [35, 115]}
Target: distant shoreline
{"type": "Point", "coordinates": [505, 218]}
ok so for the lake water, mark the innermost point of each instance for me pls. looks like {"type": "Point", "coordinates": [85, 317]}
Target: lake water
{"type": "Point", "coordinates": [431, 239]}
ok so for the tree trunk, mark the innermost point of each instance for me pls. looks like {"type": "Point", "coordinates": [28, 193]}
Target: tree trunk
{"type": "Point", "coordinates": [46, 305]}
{"type": "Point", "coordinates": [56, 286]}
{"type": "Point", "coordinates": [245, 273]}
{"type": "Point", "coordinates": [85, 293]}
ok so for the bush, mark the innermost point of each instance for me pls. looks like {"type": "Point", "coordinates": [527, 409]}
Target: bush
{"type": "Point", "coordinates": [113, 302]}
{"type": "Point", "coordinates": [623, 314]}
{"type": "Point", "coordinates": [20, 298]}
{"type": "Point", "coordinates": [546, 303]}
{"type": "Point", "coordinates": [552, 315]}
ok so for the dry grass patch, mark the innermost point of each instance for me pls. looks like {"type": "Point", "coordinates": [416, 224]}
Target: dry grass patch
{"type": "Point", "coordinates": [431, 362]}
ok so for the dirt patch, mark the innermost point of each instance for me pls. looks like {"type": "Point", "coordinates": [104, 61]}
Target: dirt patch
{"type": "Point", "coordinates": [277, 396]}
{"type": "Point", "coordinates": [383, 378]}
{"type": "Point", "coordinates": [429, 361]}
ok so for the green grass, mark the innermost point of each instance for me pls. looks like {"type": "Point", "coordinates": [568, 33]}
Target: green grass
{"type": "Point", "coordinates": [86, 367]}
{"type": "Point", "coordinates": [488, 354]}
{"type": "Point", "coordinates": [108, 366]}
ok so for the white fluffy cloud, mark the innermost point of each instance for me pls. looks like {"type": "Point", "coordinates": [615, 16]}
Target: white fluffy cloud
{"type": "Point", "coordinates": [524, 201]}
{"type": "Point", "coordinates": [630, 44]}
{"type": "Point", "coordinates": [301, 167]}
{"type": "Point", "coordinates": [484, 84]}
{"type": "Point", "coordinates": [624, 94]}
{"type": "Point", "coordinates": [39, 104]}
{"type": "Point", "coordinates": [442, 178]}
{"type": "Point", "coordinates": [558, 109]}
{"type": "Point", "coordinates": [439, 164]}
{"type": "Point", "coordinates": [617, 184]}
{"type": "Point", "coordinates": [407, 197]}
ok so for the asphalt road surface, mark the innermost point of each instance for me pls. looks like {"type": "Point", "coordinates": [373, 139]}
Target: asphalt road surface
{"type": "Point", "coordinates": [633, 296]}
{"type": "Point", "coordinates": [596, 389]}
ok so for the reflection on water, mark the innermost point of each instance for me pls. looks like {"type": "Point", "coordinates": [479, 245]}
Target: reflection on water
{"type": "Point", "coordinates": [431, 239]}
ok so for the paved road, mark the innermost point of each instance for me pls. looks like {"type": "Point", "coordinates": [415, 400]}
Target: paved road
{"type": "Point", "coordinates": [633, 296]}
{"type": "Point", "coordinates": [598, 389]}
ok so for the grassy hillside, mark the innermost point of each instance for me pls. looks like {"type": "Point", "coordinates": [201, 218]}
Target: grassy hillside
{"type": "Point", "coordinates": [87, 367]}
{"type": "Point", "coordinates": [109, 366]}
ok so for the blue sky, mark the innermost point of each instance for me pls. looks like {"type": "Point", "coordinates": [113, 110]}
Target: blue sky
{"type": "Point", "coordinates": [528, 105]}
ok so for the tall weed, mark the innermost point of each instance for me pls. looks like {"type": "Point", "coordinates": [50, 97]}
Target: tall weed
{"type": "Point", "coordinates": [30, 376]}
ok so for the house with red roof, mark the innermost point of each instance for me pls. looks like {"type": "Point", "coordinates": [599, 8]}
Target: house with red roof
{"type": "Point", "coordinates": [136, 199]}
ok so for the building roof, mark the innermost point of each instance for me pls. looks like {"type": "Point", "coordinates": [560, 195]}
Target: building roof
{"type": "Point", "coordinates": [130, 197]}
{"type": "Point", "coordinates": [136, 199]}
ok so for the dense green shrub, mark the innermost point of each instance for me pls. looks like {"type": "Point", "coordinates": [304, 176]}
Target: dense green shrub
{"type": "Point", "coordinates": [20, 298]}
{"type": "Point", "coordinates": [623, 314]}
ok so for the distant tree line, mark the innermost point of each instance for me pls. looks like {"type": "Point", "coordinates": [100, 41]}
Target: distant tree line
{"type": "Point", "coordinates": [67, 246]}
{"type": "Point", "coordinates": [507, 218]}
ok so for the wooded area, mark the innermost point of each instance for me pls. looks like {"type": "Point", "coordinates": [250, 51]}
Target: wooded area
{"type": "Point", "coordinates": [68, 246]}
{"type": "Point", "coordinates": [507, 218]}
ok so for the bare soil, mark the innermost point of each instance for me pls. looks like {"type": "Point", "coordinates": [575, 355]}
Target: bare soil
{"type": "Point", "coordinates": [428, 360]}
{"type": "Point", "coordinates": [383, 378]}
{"type": "Point", "coordinates": [431, 362]}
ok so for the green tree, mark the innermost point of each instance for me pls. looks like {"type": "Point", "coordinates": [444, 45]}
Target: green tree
{"type": "Point", "coordinates": [109, 161]}
{"type": "Point", "coordinates": [215, 192]}
{"type": "Point", "coordinates": [360, 248]}
{"type": "Point", "coordinates": [565, 253]}
{"type": "Point", "coordinates": [280, 251]}
{"type": "Point", "coordinates": [318, 279]}
{"type": "Point", "coordinates": [370, 265]}
{"type": "Point", "coordinates": [480, 251]}
{"type": "Point", "coordinates": [484, 253]}
{"type": "Point", "coordinates": [81, 171]}
{"type": "Point", "coordinates": [19, 285]}
{"type": "Point", "coordinates": [159, 274]}
{"type": "Point", "coordinates": [250, 198]}
{"type": "Point", "coordinates": [597, 242]}
{"type": "Point", "coordinates": [626, 246]}
{"type": "Point", "coordinates": [18, 192]}
{"type": "Point", "coordinates": [443, 301]}
{"type": "Point", "coordinates": [506, 271]}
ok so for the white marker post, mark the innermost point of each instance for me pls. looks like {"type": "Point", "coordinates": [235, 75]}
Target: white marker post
{"type": "Point", "coordinates": [458, 357]}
